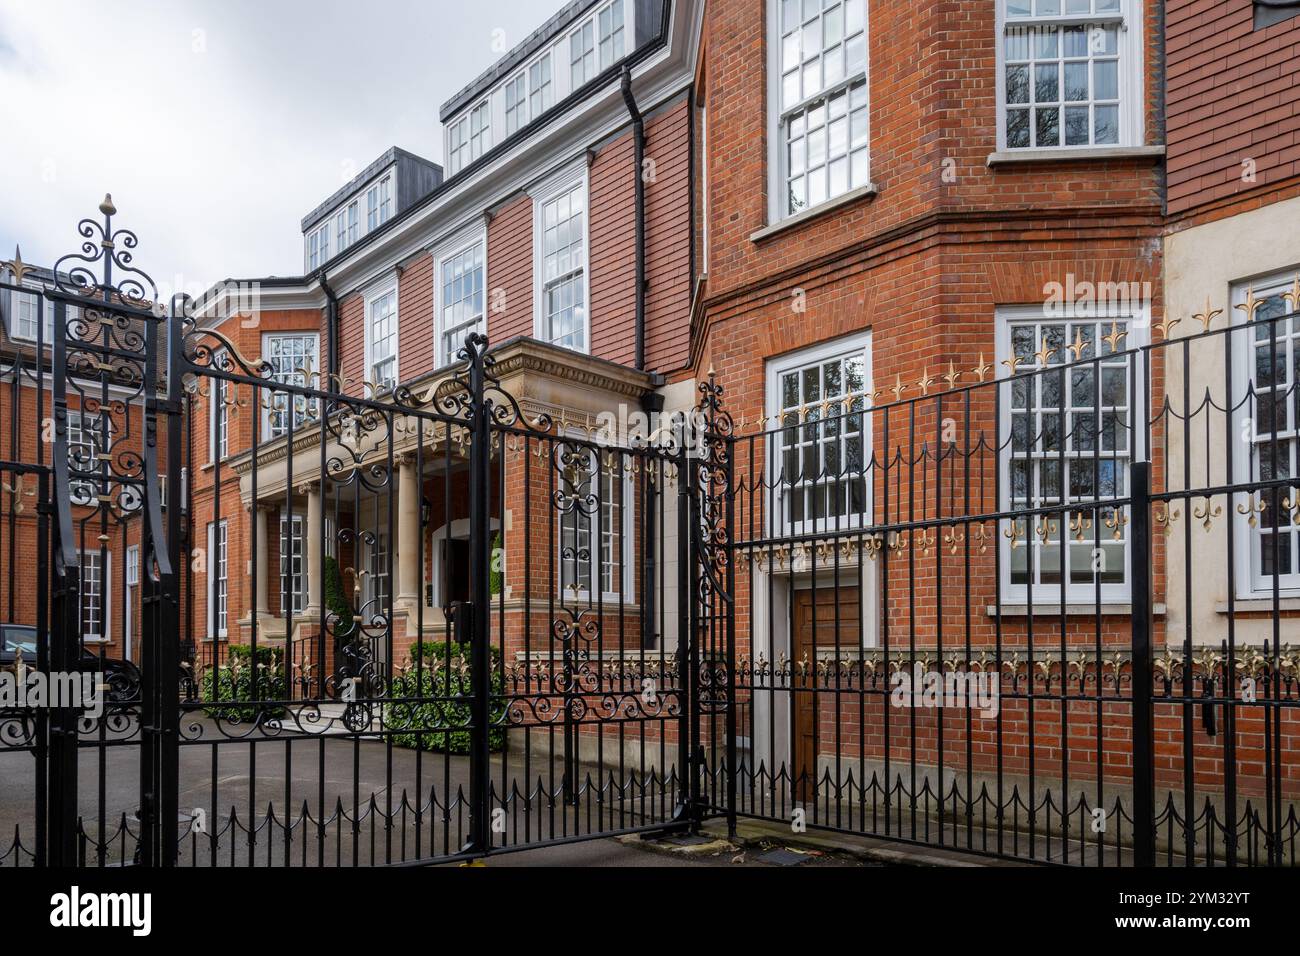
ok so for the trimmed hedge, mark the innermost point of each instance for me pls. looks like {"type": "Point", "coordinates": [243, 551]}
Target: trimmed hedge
{"type": "Point", "coordinates": [234, 682]}
{"type": "Point", "coordinates": [445, 675]}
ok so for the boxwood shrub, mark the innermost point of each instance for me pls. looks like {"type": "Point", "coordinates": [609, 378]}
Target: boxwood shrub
{"type": "Point", "coordinates": [444, 675]}
{"type": "Point", "coordinates": [234, 681]}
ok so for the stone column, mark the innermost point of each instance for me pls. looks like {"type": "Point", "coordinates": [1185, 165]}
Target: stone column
{"type": "Point", "coordinates": [314, 552]}
{"type": "Point", "coordinates": [408, 535]}
{"type": "Point", "coordinates": [264, 571]}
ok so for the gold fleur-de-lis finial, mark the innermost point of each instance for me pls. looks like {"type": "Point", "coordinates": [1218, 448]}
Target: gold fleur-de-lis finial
{"type": "Point", "coordinates": [899, 388]}
{"type": "Point", "coordinates": [1012, 364]}
{"type": "Point", "coordinates": [1116, 337]}
{"type": "Point", "coordinates": [925, 381]}
{"type": "Point", "coordinates": [1206, 514]}
{"type": "Point", "coordinates": [1078, 346]}
{"type": "Point", "coordinates": [953, 376]}
{"type": "Point", "coordinates": [17, 267]}
{"type": "Point", "coordinates": [1289, 506]}
{"type": "Point", "coordinates": [1015, 532]}
{"type": "Point", "coordinates": [1207, 317]}
{"type": "Point", "coordinates": [1251, 305]}
{"type": "Point", "coordinates": [982, 369]}
{"type": "Point", "coordinates": [1044, 354]}
{"type": "Point", "coordinates": [1046, 529]}
{"type": "Point", "coordinates": [1252, 508]}
{"type": "Point", "coordinates": [1292, 296]}
{"type": "Point", "coordinates": [1167, 326]}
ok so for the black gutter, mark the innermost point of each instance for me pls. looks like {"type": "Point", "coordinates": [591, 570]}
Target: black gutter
{"type": "Point", "coordinates": [332, 327]}
{"type": "Point", "coordinates": [638, 152]}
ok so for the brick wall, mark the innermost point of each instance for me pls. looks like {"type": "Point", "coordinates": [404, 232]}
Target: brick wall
{"type": "Point", "coordinates": [1233, 102]}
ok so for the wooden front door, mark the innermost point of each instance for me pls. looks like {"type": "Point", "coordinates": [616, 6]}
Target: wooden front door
{"type": "Point", "coordinates": [815, 628]}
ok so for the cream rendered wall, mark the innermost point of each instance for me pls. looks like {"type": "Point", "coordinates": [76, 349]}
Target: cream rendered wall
{"type": "Point", "coordinates": [1203, 264]}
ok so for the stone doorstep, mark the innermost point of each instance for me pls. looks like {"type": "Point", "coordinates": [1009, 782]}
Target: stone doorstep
{"type": "Point", "coordinates": [751, 834]}
{"type": "Point", "coordinates": [755, 835]}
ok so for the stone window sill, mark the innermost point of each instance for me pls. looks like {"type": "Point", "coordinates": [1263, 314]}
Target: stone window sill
{"type": "Point", "coordinates": [1258, 605]}
{"type": "Point", "coordinates": [1012, 157]}
{"type": "Point", "coordinates": [798, 219]}
{"type": "Point", "coordinates": [1046, 610]}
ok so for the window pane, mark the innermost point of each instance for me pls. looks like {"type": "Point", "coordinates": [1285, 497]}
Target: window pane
{"type": "Point", "coordinates": [1073, 64]}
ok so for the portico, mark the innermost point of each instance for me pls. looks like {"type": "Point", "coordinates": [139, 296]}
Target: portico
{"type": "Point", "coordinates": [386, 498]}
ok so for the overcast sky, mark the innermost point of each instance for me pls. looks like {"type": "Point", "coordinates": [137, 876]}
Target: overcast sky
{"type": "Point", "coordinates": [218, 124]}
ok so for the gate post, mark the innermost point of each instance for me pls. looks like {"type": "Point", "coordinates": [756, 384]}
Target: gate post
{"type": "Point", "coordinates": [65, 634]}
{"type": "Point", "coordinates": [688, 601]}
{"type": "Point", "coordinates": [1142, 671]}
{"type": "Point", "coordinates": [169, 559]}
{"type": "Point", "coordinates": [480, 598]}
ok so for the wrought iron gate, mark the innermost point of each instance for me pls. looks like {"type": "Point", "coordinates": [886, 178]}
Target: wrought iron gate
{"type": "Point", "coordinates": [382, 623]}
{"type": "Point", "coordinates": [1038, 611]}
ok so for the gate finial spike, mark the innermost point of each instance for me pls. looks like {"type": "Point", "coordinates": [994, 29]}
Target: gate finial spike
{"type": "Point", "coordinates": [107, 207]}
{"type": "Point", "coordinates": [17, 267]}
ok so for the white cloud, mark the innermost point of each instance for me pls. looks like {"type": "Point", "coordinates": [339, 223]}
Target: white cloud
{"type": "Point", "coordinates": [218, 126]}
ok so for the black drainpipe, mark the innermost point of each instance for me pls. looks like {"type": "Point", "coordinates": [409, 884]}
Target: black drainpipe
{"type": "Point", "coordinates": [652, 403]}
{"type": "Point", "coordinates": [638, 141]}
{"type": "Point", "coordinates": [331, 382]}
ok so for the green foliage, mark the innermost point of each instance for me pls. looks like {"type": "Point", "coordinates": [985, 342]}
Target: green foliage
{"type": "Point", "coordinates": [443, 680]}
{"type": "Point", "coordinates": [498, 562]}
{"type": "Point", "coordinates": [336, 602]}
{"type": "Point", "coordinates": [235, 682]}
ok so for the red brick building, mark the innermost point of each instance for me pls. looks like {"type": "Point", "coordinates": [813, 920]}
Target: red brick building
{"type": "Point", "coordinates": [530, 237]}
{"type": "Point", "coordinates": [939, 257]}
{"type": "Point", "coordinates": [105, 430]}
{"type": "Point", "coordinates": [931, 174]}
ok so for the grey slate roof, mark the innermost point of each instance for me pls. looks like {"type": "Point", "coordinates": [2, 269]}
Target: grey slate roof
{"type": "Point", "coordinates": [539, 38]}
{"type": "Point", "coordinates": [389, 157]}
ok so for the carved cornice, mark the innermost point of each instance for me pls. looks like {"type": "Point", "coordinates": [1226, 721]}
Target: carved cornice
{"type": "Point", "coordinates": [530, 357]}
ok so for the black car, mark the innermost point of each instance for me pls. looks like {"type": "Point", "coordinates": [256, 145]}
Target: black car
{"type": "Point", "coordinates": [122, 677]}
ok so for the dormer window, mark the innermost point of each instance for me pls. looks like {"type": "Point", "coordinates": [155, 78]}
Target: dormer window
{"type": "Point", "coordinates": [582, 54]}
{"type": "Point", "coordinates": [457, 145]}
{"type": "Point", "coordinates": [529, 94]}
{"type": "Point", "coordinates": [480, 131]}
{"type": "Point", "coordinates": [611, 33]}
{"type": "Point", "coordinates": [516, 104]}
{"type": "Point", "coordinates": [541, 89]}
{"type": "Point", "coordinates": [318, 247]}
{"type": "Point", "coordinates": [379, 203]}
{"type": "Point", "coordinates": [28, 310]}
{"type": "Point", "coordinates": [469, 137]}
{"type": "Point", "coordinates": [598, 44]}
